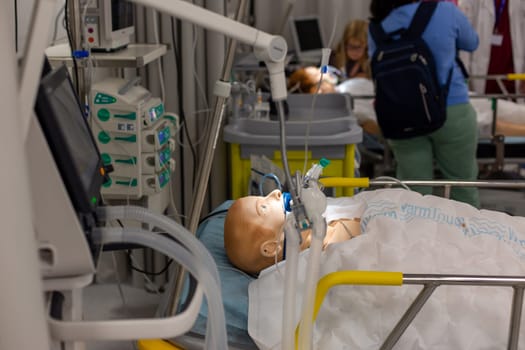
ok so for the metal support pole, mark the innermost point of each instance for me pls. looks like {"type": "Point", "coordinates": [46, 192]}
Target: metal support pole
{"type": "Point", "coordinates": [409, 315]}
{"type": "Point", "coordinates": [204, 168]}
{"type": "Point", "coordinates": [75, 27]}
{"type": "Point", "coordinates": [515, 318]}
{"type": "Point", "coordinates": [446, 191]}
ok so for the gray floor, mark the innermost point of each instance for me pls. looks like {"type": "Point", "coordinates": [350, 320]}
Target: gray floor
{"type": "Point", "coordinates": [108, 300]}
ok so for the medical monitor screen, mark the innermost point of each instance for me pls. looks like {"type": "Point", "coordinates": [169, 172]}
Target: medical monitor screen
{"type": "Point", "coordinates": [70, 139]}
{"type": "Point", "coordinates": [308, 34]}
{"type": "Point", "coordinates": [121, 14]}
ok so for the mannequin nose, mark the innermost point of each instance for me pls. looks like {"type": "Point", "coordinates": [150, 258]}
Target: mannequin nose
{"type": "Point", "coordinates": [276, 194]}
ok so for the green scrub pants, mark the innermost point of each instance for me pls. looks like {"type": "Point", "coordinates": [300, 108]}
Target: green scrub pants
{"type": "Point", "coordinates": [453, 147]}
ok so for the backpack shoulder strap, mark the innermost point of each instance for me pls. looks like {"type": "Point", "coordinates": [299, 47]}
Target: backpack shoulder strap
{"type": "Point", "coordinates": [378, 33]}
{"type": "Point", "coordinates": [421, 18]}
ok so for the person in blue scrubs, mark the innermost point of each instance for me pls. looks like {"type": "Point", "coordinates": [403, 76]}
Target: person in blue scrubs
{"type": "Point", "coordinates": [453, 146]}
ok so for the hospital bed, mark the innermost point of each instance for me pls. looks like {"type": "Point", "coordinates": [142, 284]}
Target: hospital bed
{"type": "Point", "coordinates": [501, 125]}
{"type": "Point", "coordinates": [235, 282]}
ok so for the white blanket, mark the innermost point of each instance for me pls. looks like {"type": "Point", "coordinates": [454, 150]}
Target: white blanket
{"type": "Point", "coordinates": [404, 231]}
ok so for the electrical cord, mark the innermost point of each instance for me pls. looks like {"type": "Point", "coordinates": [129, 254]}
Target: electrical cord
{"type": "Point", "coordinates": [399, 182]}
{"type": "Point", "coordinates": [212, 214]}
{"type": "Point", "coordinates": [55, 30]}
{"type": "Point", "coordinates": [181, 101]}
{"type": "Point", "coordinates": [147, 273]}
{"type": "Point", "coordinates": [70, 41]}
{"type": "Point", "coordinates": [16, 26]}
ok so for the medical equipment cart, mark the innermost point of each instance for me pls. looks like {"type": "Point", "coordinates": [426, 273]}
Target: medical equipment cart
{"type": "Point", "coordinates": [324, 122]}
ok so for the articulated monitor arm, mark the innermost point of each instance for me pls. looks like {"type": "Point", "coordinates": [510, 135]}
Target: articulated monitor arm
{"type": "Point", "coordinates": [271, 49]}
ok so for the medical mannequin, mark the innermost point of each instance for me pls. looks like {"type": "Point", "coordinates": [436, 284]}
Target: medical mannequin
{"type": "Point", "coordinates": [306, 80]}
{"type": "Point", "coordinates": [254, 237]}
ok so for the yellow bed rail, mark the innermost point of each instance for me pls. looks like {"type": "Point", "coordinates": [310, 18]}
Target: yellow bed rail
{"type": "Point", "coordinates": [333, 279]}
{"type": "Point", "coordinates": [362, 182]}
{"type": "Point", "coordinates": [516, 76]}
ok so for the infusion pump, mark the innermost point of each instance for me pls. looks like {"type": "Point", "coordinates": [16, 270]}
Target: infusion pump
{"type": "Point", "coordinates": [135, 136]}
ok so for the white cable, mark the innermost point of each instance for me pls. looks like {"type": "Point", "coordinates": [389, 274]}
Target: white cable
{"type": "Point", "coordinates": [332, 35]}
{"type": "Point", "coordinates": [203, 136]}
{"type": "Point", "coordinates": [201, 90]}
{"type": "Point", "coordinates": [176, 216]}
{"type": "Point", "coordinates": [145, 276]}
{"type": "Point", "coordinates": [57, 18]}
{"type": "Point", "coordinates": [309, 122]}
{"type": "Point", "coordinates": [399, 182]}
{"type": "Point", "coordinates": [159, 61]}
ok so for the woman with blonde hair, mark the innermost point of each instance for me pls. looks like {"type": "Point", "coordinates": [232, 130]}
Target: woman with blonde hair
{"type": "Point", "coordinates": [351, 54]}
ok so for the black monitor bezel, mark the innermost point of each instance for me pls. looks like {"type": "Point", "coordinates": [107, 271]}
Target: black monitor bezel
{"type": "Point", "coordinates": [299, 38]}
{"type": "Point", "coordinates": [81, 196]}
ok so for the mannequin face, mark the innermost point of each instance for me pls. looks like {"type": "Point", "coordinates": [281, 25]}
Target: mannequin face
{"type": "Point", "coordinates": [315, 76]}
{"type": "Point", "coordinates": [308, 80]}
{"type": "Point", "coordinates": [270, 211]}
{"type": "Point", "coordinates": [253, 231]}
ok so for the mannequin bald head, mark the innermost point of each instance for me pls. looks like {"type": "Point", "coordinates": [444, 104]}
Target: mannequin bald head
{"type": "Point", "coordinates": [253, 231]}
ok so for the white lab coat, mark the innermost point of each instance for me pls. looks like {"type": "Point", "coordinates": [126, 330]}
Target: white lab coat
{"type": "Point", "coordinates": [482, 15]}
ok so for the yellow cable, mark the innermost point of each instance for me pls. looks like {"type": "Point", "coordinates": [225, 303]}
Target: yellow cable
{"type": "Point", "coordinates": [378, 278]}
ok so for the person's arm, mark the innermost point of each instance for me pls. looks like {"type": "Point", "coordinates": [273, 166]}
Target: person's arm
{"type": "Point", "coordinates": [371, 46]}
{"type": "Point", "coordinates": [467, 37]}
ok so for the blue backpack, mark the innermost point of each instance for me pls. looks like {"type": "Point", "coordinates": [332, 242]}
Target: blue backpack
{"type": "Point", "coordinates": [409, 101]}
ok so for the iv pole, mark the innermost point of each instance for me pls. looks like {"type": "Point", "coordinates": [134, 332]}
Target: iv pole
{"type": "Point", "coordinates": [222, 92]}
{"type": "Point", "coordinates": [268, 48]}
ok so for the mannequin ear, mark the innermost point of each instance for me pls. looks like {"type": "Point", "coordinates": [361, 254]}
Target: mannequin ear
{"type": "Point", "coordinates": [270, 248]}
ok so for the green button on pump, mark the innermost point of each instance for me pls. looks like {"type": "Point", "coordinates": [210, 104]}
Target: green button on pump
{"type": "Point", "coordinates": [128, 116]}
{"type": "Point", "coordinates": [103, 114]}
{"type": "Point", "coordinates": [131, 138]}
{"type": "Point", "coordinates": [104, 137]}
{"type": "Point", "coordinates": [107, 183]}
{"type": "Point", "coordinates": [104, 99]}
{"type": "Point", "coordinates": [106, 158]}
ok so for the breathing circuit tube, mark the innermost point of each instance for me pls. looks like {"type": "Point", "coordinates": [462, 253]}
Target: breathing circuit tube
{"type": "Point", "coordinates": [315, 201]}
{"type": "Point", "coordinates": [189, 252]}
{"type": "Point", "coordinates": [298, 211]}
{"type": "Point", "coordinates": [290, 282]}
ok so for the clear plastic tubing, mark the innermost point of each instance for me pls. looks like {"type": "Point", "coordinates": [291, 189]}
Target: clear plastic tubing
{"type": "Point", "coordinates": [192, 263]}
{"type": "Point", "coordinates": [199, 255]}
{"type": "Point", "coordinates": [312, 273]}
{"type": "Point", "coordinates": [284, 155]}
{"type": "Point", "coordinates": [290, 285]}
{"type": "Point", "coordinates": [171, 227]}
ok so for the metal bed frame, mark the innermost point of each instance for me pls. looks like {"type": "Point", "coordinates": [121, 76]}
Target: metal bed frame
{"type": "Point", "coordinates": [432, 281]}
{"type": "Point", "coordinates": [429, 282]}
{"type": "Point", "coordinates": [496, 145]}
